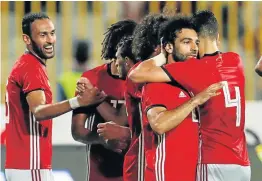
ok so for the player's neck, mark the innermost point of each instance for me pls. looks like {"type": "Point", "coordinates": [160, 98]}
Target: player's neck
{"type": "Point", "coordinates": [113, 68]}
{"type": "Point", "coordinates": [40, 59]}
{"type": "Point", "coordinates": [210, 46]}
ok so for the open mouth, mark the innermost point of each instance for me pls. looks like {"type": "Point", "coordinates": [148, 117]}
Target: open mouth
{"type": "Point", "coordinates": [49, 49]}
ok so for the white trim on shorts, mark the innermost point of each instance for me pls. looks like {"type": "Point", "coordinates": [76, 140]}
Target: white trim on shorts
{"type": "Point", "coordinates": [29, 175]}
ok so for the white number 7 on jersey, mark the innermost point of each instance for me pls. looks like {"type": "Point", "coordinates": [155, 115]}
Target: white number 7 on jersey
{"type": "Point", "coordinates": [233, 102]}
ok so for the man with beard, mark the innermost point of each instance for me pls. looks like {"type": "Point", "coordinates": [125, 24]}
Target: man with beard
{"type": "Point", "coordinates": [223, 117]}
{"type": "Point", "coordinates": [29, 107]}
{"type": "Point", "coordinates": [103, 163]}
{"type": "Point", "coordinates": [169, 119]}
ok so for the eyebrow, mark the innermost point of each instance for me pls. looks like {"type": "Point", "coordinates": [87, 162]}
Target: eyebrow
{"type": "Point", "coordinates": [197, 40]}
{"type": "Point", "coordinates": [186, 39]}
{"type": "Point", "coordinates": [47, 31]}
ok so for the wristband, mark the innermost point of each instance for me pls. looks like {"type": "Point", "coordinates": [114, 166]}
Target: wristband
{"type": "Point", "coordinates": [74, 103]}
{"type": "Point", "coordinates": [159, 59]}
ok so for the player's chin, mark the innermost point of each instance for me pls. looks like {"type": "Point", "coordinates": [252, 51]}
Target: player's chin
{"type": "Point", "coordinates": [49, 55]}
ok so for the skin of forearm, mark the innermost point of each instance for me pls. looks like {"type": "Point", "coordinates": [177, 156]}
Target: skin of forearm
{"type": "Point", "coordinates": [49, 111]}
{"type": "Point", "coordinates": [110, 113]}
{"type": "Point", "coordinates": [167, 120]}
{"type": "Point", "coordinates": [86, 136]}
{"type": "Point", "coordinates": [138, 74]}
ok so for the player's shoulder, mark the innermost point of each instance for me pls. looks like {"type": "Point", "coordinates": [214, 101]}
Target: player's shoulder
{"type": "Point", "coordinates": [232, 57]}
{"type": "Point", "coordinates": [158, 87]}
{"type": "Point", "coordinates": [232, 54]}
{"type": "Point", "coordinates": [134, 66]}
{"type": "Point", "coordinates": [25, 63]}
{"type": "Point", "coordinates": [94, 71]}
{"type": "Point", "coordinates": [129, 83]}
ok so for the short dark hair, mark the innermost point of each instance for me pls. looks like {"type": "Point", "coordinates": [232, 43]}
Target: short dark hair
{"type": "Point", "coordinates": [126, 48]}
{"type": "Point", "coordinates": [28, 19]}
{"type": "Point", "coordinates": [168, 31]}
{"type": "Point", "coordinates": [146, 36]}
{"type": "Point", "coordinates": [206, 24]}
{"type": "Point", "coordinates": [81, 52]}
{"type": "Point", "coordinates": [113, 35]}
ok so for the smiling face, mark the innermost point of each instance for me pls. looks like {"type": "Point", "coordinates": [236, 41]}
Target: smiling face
{"type": "Point", "coordinates": [43, 38]}
{"type": "Point", "coordinates": [185, 45]}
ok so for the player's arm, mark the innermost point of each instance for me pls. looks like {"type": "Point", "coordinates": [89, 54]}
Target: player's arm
{"type": "Point", "coordinates": [149, 71]}
{"type": "Point", "coordinates": [258, 67]}
{"type": "Point", "coordinates": [107, 111]}
{"type": "Point", "coordinates": [37, 103]}
{"type": "Point", "coordinates": [110, 113]}
{"type": "Point", "coordinates": [82, 134]}
{"type": "Point", "coordinates": [162, 120]}
{"type": "Point", "coordinates": [113, 131]}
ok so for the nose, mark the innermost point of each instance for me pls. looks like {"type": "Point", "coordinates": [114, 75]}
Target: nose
{"type": "Point", "coordinates": [51, 39]}
{"type": "Point", "coordinates": [194, 47]}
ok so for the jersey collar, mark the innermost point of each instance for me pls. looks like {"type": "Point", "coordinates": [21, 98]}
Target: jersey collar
{"type": "Point", "coordinates": [212, 54]}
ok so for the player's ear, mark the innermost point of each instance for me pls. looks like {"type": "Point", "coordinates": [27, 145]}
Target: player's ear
{"type": "Point", "coordinates": [169, 48]}
{"type": "Point", "coordinates": [26, 39]}
{"type": "Point", "coordinates": [129, 62]}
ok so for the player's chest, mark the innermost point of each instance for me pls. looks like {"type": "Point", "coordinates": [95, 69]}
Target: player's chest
{"type": "Point", "coordinates": [48, 92]}
{"type": "Point", "coordinates": [178, 97]}
{"type": "Point", "coordinates": [112, 87]}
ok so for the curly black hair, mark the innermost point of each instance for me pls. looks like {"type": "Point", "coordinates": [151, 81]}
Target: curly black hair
{"type": "Point", "coordinates": [28, 19]}
{"type": "Point", "coordinates": [168, 31]}
{"type": "Point", "coordinates": [126, 48]}
{"type": "Point", "coordinates": [113, 35]}
{"type": "Point", "coordinates": [146, 36]}
{"type": "Point", "coordinates": [206, 24]}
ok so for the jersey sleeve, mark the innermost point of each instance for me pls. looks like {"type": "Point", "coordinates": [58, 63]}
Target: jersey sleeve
{"type": "Point", "coordinates": [91, 76]}
{"type": "Point", "coordinates": [185, 73]}
{"type": "Point", "coordinates": [155, 95]}
{"type": "Point", "coordinates": [33, 79]}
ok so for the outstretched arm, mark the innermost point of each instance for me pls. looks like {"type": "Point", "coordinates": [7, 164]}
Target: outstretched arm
{"type": "Point", "coordinates": [42, 111]}
{"type": "Point", "coordinates": [149, 71]}
{"type": "Point", "coordinates": [106, 110]}
{"type": "Point", "coordinates": [162, 120]}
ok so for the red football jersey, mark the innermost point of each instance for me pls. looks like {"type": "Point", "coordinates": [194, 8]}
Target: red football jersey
{"type": "Point", "coordinates": [28, 142]}
{"type": "Point", "coordinates": [222, 117]}
{"type": "Point", "coordinates": [134, 158]}
{"type": "Point", "coordinates": [174, 154]}
{"type": "Point", "coordinates": [103, 163]}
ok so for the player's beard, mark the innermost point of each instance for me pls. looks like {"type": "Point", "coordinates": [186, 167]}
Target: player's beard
{"type": "Point", "coordinates": [178, 57]}
{"type": "Point", "coordinates": [38, 51]}
{"type": "Point", "coordinates": [123, 73]}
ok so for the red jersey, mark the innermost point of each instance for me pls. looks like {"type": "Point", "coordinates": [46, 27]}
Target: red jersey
{"type": "Point", "coordinates": [134, 158]}
{"type": "Point", "coordinates": [174, 154]}
{"type": "Point", "coordinates": [222, 117]}
{"type": "Point", "coordinates": [103, 162]}
{"type": "Point", "coordinates": [28, 142]}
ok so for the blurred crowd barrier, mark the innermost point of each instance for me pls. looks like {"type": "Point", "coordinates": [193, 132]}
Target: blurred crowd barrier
{"type": "Point", "coordinates": [240, 31]}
